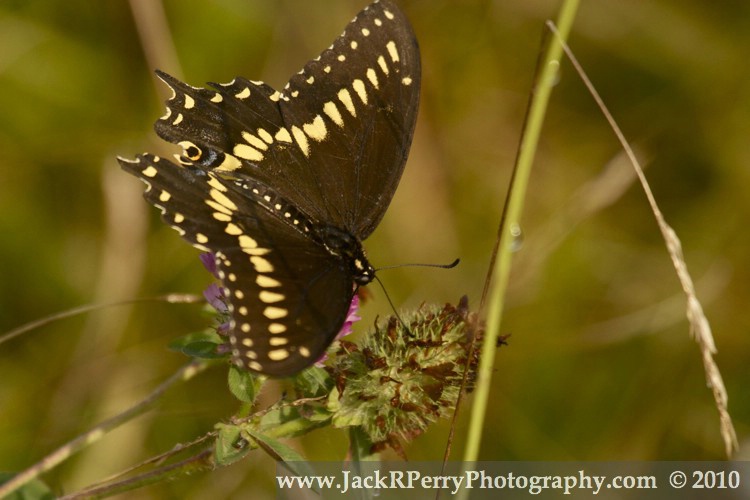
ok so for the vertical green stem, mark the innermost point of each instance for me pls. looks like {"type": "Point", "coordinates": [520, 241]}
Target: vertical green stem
{"type": "Point", "coordinates": [510, 223]}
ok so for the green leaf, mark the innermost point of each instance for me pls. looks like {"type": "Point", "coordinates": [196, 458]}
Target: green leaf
{"type": "Point", "coordinates": [199, 345]}
{"type": "Point", "coordinates": [243, 384]}
{"type": "Point", "coordinates": [289, 421]}
{"type": "Point", "coordinates": [313, 382]}
{"type": "Point", "coordinates": [33, 490]}
{"type": "Point", "coordinates": [275, 448]}
{"type": "Point", "coordinates": [230, 445]}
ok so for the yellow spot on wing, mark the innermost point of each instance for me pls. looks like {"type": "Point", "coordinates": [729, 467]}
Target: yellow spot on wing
{"type": "Point", "coordinates": [373, 77]}
{"type": "Point", "coordinates": [216, 184]}
{"type": "Point", "coordinates": [256, 251]}
{"type": "Point", "coordinates": [246, 241]}
{"type": "Point", "coordinates": [301, 139]}
{"type": "Point", "coordinates": [277, 328]}
{"type": "Point", "coordinates": [230, 163]}
{"type": "Point", "coordinates": [263, 133]}
{"type": "Point", "coordinates": [255, 141]}
{"type": "Point", "coordinates": [332, 111]}
{"type": "Point", "coordinates": [266, 281]}
{"type": "Point", "coordinates": [149, 171]}
{"type": "Point", "coordinates": [278, 354]}
{"type": "Point", "coordinates": [263, 266]}
{"type": "Point", "coordinates": [346, 98]}
{"type": "Point", "coordinates": [383, 65]}
{"type": "Point", "coordinates": [189, 102]}
{"type": "Point", "coordinates": [271, 297]}
{"type": "Point", "coordinates": [272, 312]}
{"type": "Point", "coordinates": [283, 135]}
{"type": "Point", "coordinates": [223, 200]}
{"type": "Point", "coordinates": [243, 94]}
{"type": "Point", "coordinates": [247, 152]}
{"type": "Point", "coordinates": [391, 46]}
{"type": "Point", "coordinates": [317, 129]}
{"type": "Point", "coordinates": [219, 209]}
{"type": "Point", "coordinates": [359, 88]}
{"type": "Point", "coordinates": [222, 217]}
{"type": "Point", "coordinates": [217, 98]}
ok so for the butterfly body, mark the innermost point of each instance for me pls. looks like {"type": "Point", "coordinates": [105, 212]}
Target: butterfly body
{"type": "Point", "coordinates": [283, 186]}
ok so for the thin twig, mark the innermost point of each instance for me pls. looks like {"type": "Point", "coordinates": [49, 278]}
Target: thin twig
{"type": "Point", "coordinates": [158, 459]}
{"type": "Point", "coordinates": [172, 298]}
{"type": "Point", "coordinates": [98, 432]}
{"type": "Point", "coordinates": [198, 462]}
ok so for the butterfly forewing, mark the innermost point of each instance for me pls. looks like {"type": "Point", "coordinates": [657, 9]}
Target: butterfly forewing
{"type": "Point", "coordinates": [339, 132]}
{"type": "Point", "coordinates": [282, 186]}
{"type": "Point", "coordinates": [357, 103]}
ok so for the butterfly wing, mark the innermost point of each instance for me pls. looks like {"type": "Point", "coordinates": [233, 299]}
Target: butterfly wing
{"type": "Point", "coordinates": [262, 171]}
{"type": "Point", "coordinates": [358, 105]}
{"type": "Point", "coordinates": [334, 141]}
{"type": "Point", "coordinates": [287, 297]}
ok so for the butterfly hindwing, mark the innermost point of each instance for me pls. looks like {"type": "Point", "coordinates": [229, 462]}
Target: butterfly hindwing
{"type": "Point", "coordinates": [287, 298]}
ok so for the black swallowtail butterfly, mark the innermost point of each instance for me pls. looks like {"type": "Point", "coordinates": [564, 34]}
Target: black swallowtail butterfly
{"type": "Point", "coordinates": [282, 186]}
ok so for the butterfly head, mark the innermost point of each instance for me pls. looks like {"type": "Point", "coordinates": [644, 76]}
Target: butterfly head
{"type": "Point", "coordinates": [346, 246]}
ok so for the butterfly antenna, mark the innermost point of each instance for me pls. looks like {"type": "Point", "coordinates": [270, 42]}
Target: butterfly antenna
{"type": "Point", "coordinates": [421, 264]}
{"type": "Point", "coordinates": [395, 312]}
{"type": "Point", "coordinates": [416, 264]}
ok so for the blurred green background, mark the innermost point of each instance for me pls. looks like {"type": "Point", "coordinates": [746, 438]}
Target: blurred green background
{"type": "Point", "coordinates": [600, 364]}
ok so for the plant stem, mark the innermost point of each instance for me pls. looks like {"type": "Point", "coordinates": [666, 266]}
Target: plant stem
{"type": "Point", "coordinates": [509, 224]}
